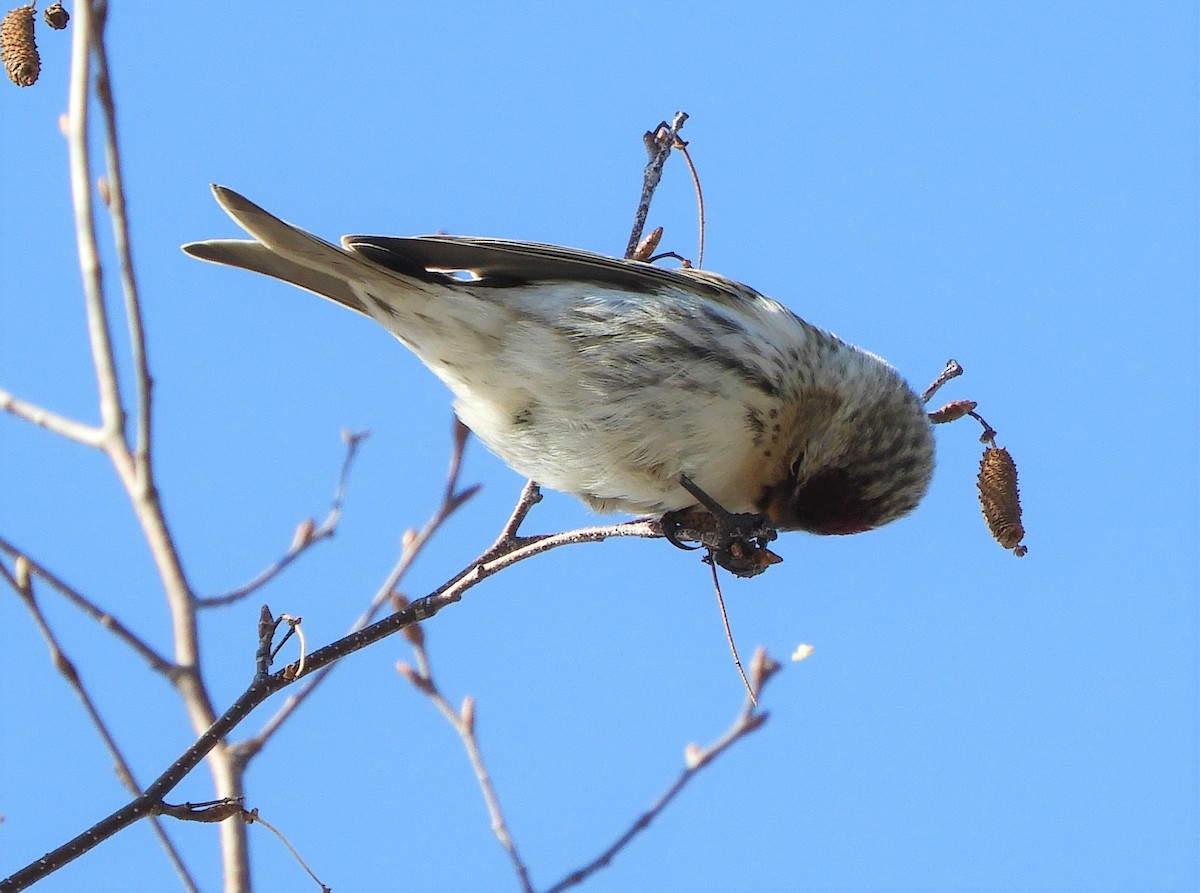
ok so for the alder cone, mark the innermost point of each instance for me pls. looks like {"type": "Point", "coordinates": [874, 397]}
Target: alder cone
{"type": "Point", "coordinates": [17, 47]}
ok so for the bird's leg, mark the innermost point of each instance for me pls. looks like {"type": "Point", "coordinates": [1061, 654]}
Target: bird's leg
{"type": "Point", "coordinates": [736, 541]}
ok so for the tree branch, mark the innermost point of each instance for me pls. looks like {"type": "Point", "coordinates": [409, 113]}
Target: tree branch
{"type": "Point", "coordinates": [80, 432]}
{"type": "Point", "coordinates": [22, 583]}
{"type": "Point", "coordinates": [412, 546]}
{"type": "Point", "coordinates": [762, 667]}
{"type": "Point", "coordinates": [463, 723]}
{"type": "Point", "coordinates": [263, 686]}
{"type": "Point", "coordinates": [306, 537]}
{"type": "Point", "coordinates": [104, 618]}
{"type": "Point", "coordinates": [659, 144]}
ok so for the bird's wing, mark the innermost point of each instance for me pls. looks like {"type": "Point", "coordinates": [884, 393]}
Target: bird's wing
{"type": "Point", "coordinates": [287, 252]}
{"type": "Point", "coordinates": [503, 262]}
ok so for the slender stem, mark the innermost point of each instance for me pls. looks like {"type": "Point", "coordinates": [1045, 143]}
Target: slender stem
{"type": "Point", "coordinates": [659, 144]}
{"type": "Point", "coordinates": [111, 413]}
{"type": "Point", "coordinates": [313, 535]}
{"type": "Point", "coordinates": [104, 618]}
{"type": "Point", "coordinates": [748, 720]}
{"type": "Point", "coordinates": [88, 435]}
{"type": "Point", "coordinates": [452, 499]}
{"type": "Point", "coordinates": [22, 584]}
{"type": "Point", "coordinates": [463, 723]}
{"type": "Point", "coordinates": [120, 221]}
{"type": "Point", "coordinates": [952, 370]}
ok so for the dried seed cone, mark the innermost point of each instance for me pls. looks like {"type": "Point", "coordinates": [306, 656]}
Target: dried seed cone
{"type": "Point", "coordinates": [17, 47]}
{"type": "Point", "coordinates": [1000, 499]}
{"type": "Point", "coordinates": [56, 17]}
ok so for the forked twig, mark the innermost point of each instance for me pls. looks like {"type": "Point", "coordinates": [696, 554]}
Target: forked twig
{"type": "Point", "coordinates": [104, 618]}
{"type": "Point", "coordinates": [308, 535]}
{"type": "Point", "coordinates": [659, 144]}
{"type": "Point", "coordinates": [463, 723]}
{"type": "Point", "coordinates": [748, 720]}
{"type": "Point", "coordinates": [21, 582]}
{"type": "Point", "coordinates": [453, 497]}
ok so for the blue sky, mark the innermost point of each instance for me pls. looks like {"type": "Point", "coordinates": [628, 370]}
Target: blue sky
{"type": "Point", "coordinates": [1012, 185]}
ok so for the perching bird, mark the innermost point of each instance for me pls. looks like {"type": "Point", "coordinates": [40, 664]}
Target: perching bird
{"type": "Point", "coordinates": [618, 381]}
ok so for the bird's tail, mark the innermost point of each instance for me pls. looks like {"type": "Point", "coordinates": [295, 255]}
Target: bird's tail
{"type": "Point", "coordinates": [285, 252]}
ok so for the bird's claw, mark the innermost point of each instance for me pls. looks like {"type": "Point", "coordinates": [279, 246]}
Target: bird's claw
{"type": "Point", "coordinates": [735, 541]}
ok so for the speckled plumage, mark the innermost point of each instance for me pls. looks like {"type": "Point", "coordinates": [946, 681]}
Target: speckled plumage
{"type": "Point", "coordinates": [608, 379]}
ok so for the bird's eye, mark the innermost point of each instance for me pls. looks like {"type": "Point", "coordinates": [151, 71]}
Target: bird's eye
{"type": "Point", "coordinates": [796, 465]}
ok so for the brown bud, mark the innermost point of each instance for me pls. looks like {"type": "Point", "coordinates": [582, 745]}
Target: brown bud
{"type": "Point", "coordinates": [952, 411]}
{"type": "Point", "coordinates": [762, 668]}
{"type": "Point", "coordinates": [1000, 499]}
{"type": "Point", "coordinates": [56, 17]}
{"type": "Point", "coordinates": [414, 634]}
{"type": "Point", "coordinates": [17, 47]}
{"type": "Point", "coordinates": [419, 681]}
{"type": "Point", "coordinates": [646, 247]}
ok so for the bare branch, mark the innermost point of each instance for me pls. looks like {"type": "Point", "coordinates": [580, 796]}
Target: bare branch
{"type": "Point", "coordinates": [79, 432]}
{"type": "Point", "coordinates": [659, 144]}
{"type": "Point", "coordinates": [412, 546]}
{"type": "Point", "coordinates": [112, 414]}
{"type": "Point", "coordinates": [463, 722]}
{"type": "Point", "coordinates": [22, 583]}
{"type": "Point", "coordinates": [695, 759]}
{"type": "Point", "coordinates": [133, 470]}
{"type": "Point", "coordinates": [300, 544]}
{"type": "Point", "coordinates": [89, 607]}
{"type": "Point", "coordinates": [264, 686]}
{"type": "Point", "coordinates": [952, 370]}
{"type": "Point", "coordinates": [115, 200]}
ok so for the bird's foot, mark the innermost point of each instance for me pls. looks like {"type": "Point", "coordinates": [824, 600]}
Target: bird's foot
{"type": "Point", "coordinates": [735, 541]}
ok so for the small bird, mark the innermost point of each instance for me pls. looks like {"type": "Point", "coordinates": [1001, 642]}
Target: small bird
{"type": "Point", "coordinates": [631, 386]}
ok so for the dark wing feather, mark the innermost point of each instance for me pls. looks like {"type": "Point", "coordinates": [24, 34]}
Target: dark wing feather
{"type": "Point", "coordinates": [502, 262]}
{"type": "Point", "coordinates": [286, 252]}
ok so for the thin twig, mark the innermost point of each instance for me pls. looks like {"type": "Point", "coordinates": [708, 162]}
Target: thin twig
{"type": "Point", "coordinates": [737, 661]}
{"type": "Point", "coordinates": [22, 583]}
{"type": "Point", "coordinates": [134, 469]}
{"type": "Point", "coordinates": [687, 157]}
{"type": "Point", "coordinates": [658, 145]}
{"type": "Point", "coordinates": [531, 495]}
{"type": "Point", "coordinates": [952, 370]}
{"type": "Point", "coordinates": [209, 812]}
{"type": "Point", "coordinates": [412, 546]}
{"type": "Point", "coordinates": [695, 759]}
{"type": "Point", "coordinates": [112, 414]}
{"type": "Point", "coordinates": [115, 200]}
{"type": "Point", "coordinates": [253, 818]}
{"type": "Point", "coordinates": [323, 531]}
{"type": "Point", "coordinates": [80, 432]}
{"type": "Point", "coordinates": [104, 618]}
{"type": "Point", "coordinates": [463, 722]}
{"type": "Point", "coordinates": [264, 686]}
